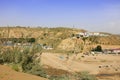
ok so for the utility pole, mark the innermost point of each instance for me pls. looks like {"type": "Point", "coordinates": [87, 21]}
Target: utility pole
{"type": "Point", "coordinates": [8, 32]}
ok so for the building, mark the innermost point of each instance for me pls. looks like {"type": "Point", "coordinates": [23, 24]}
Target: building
{"type": "Point", "coordinates": [88, 34]}
{"type": "Point", "coordinates": [116, 50]}
{"type": "Point", "coordinates": [109, 51]}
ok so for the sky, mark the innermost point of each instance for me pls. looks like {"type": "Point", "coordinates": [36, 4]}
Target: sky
{"type": "Point", "coordinates": [91, 15]}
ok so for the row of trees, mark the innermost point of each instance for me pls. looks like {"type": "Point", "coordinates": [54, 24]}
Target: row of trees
{"type": "Point", "coordinates": [18, 40]}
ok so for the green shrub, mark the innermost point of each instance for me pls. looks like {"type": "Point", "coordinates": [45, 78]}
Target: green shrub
{"type": "Point", "coordinates": [27, 62]}
{"type": "Point", "coordinates": [36, 49]}
{"type": "Point", "coordinates": [18, 58]}
{"type": "Point", "coordinates": [85, 76]}
{"type": "Point", "coordinates": [24, 57]}
{"type": "Point", "coordinates": [30, 40]}
{"type": "Point", "coordinates": [38, 70]}
{"type": "Point", "coordinates": [98, 48]}
{"type": "Point", "coordinates": [15, 67]}
{"type": "Point", "coordinates": [63, 77]}
{"type": "Point", "coordinates": [1, 60]}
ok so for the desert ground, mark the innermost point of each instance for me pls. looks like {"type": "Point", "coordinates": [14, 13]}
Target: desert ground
{"type": "Point", "coordinates": [104, 66]}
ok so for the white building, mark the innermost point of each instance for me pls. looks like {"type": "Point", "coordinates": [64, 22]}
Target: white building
{"type": "Point", "coordinates": [96, 34]}
{"type": "Point", "coordinates": [88, 34]}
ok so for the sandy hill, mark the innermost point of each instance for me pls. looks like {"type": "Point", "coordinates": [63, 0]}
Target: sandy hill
{"type": "Point", "coordinates": [69, 43]}
{"type": "Point", "coordinates": [108, 40]}
{"type": "Point", "coordinates": [36, 32]}
{"type": "Point", "coordinates": [48, 36]}
{"type": "Point", "coordinates": [56, 37]}
{"type": "Point", "coordinates": [6, 73]}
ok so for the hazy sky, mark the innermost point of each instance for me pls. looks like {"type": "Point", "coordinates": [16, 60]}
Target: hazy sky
{"type": "Point", "coordinates": [92, 15]}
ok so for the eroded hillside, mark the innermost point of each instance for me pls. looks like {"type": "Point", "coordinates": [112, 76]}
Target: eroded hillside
{"type": "Point", "coordinates": [58, 38]}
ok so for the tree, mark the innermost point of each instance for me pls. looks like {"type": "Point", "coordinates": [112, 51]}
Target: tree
{"type": "Point", "coordinates": [98, 48]}
{"type": "Point", "coordinates": [31, 40]}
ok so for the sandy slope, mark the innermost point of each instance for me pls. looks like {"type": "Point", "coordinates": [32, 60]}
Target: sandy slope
{"type": "Point", "coordinates": [105, 67]}
{"type": "Point", "coordinates": [78, 63]}
{"type": "Point", "coordinates": [60, 62]}
{"type": "Point", "coordinates": [7, 73]}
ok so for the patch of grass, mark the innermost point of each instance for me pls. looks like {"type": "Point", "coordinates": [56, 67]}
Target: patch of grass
{"type": "Point", "coordinates": [103, 61]}
{"type": "Point", "coordinates": [63, 77]}
{"type": "Point", "coordinates": [79, 58]}
{"type": "Point", "coordinates": [85, 76]}
{"type": "Point", "coordinates": [39, 71]}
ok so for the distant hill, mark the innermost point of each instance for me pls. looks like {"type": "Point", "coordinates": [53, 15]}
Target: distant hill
{"type": "Point", "coordinates": [56, 37]}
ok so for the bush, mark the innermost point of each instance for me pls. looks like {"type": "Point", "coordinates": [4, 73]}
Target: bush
{"type": "Point", "coordinates": [63, 77]}
{"type": "Point", "coordinates": [38, 70]}
{"type": "Point", "coordinates": [27, 63]}
{"type": "Point", "coordinates": [1, 61]}
{"type": "Point", "coordinates": [36, 49]}
{"type": "Point", "coordinates": [24, 57]}
{"type": "Point", "coordinates": [98, 49]}
{"type": "Point", "coordinates": [15, 67]}
{"type": "Point", "coordinates": [85, 76]}
{"type": "Point", "coordinates": [31, 40]}
{"type": "Point", "coordinates": [18, 58]}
